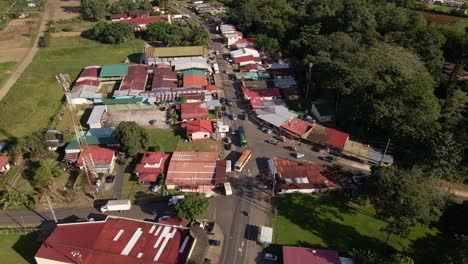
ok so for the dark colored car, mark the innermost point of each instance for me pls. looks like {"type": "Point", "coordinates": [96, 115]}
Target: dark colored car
{"type": "Point", "coordinates": [229, 102]}
{"type": "Point", "coordinates": [221, 100]}
{"type": "Point", "coordinates": [227, 146]}
{"type": "Point", "coordinates": [210, 227]}
{"type": "Point", "coordinates": [327, 158]}
{"type": "Point", "coordinates": [213, 242]}
{"type": "Point", "coordinates": [110, 178]}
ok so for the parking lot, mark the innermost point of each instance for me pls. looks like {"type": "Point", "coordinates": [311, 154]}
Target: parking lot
{"type": "Point", "coordinates": [141, 117]}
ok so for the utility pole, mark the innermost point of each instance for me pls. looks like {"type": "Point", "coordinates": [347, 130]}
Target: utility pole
{"type": "Point", "coordinates": [50, 207]}
{"type": "Point", "coordinates": [308, 77]}
{"type": "Point", "coordinates": [385, 153]}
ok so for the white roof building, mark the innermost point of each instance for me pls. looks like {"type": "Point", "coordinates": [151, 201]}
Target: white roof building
{"type": "Point", "coordinates": [244, 52]}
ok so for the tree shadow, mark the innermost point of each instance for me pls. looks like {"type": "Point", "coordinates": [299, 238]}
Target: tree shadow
{"type": "Point", "coordinates": [27, 246]}
{"type": "Point", "coordinates": [135, 58]}
{"type": "Point", "coordinates": [316, 216]}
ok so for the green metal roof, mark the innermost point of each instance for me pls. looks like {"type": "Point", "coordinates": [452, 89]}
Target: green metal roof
{"type": "Point", "coordinates": [153, 52]}
{"type": "Point", "coordinates": [122, 101]}
{"type": "Point", "coordinates": [194, 72]}
{"type": "Point", "coordinates": [113, 70]}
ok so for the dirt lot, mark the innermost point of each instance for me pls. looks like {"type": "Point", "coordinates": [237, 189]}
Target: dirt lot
{"type": "Point", "coordinates": [64, 9]}
{"type": "Point", "coordinates": [141, 117]}
{"type": "Point", "coordinates": [15, 39]}
{"type": "Point", "coordinates": [439, 18]}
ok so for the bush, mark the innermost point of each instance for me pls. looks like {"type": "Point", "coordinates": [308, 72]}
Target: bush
{"type": "Point", "coordinates": [113, 33]}
{"type": "Point", "coordinates": [67, 29]}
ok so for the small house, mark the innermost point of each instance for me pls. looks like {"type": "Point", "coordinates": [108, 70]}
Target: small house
{"type": "Point", "coordinates": [198, 129]}
{"type": "Point", "coordinates": [94, 120]}
{"type": "Point", "coordinates": [151, 166]}
{"type": "Point", "coordinates": [4, 165]}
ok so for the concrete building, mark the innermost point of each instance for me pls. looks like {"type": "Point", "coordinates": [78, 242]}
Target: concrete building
{"type": "Point", "coordinates": [94, 120]}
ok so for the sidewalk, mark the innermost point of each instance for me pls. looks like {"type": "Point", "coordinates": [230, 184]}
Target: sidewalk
{"type": "Point", "coordinates": [214, 252]}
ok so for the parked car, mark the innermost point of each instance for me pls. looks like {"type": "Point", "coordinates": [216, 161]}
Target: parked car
{"type": "Point", "coordinates": [299, 155]}
{"type": "Point", "coordinates": [266, 130]}
{"type": "Point", "coordinates": [213, 242]}
{"type": "Point", "coordinates": [269, 256]}
{"type": "Point", "coordinates": [152, 122]}
{"type": "Point", "coordinates": [221, 100]}
{"type": "Point", "coordinates": [316, 148]}
{"type": "Point", "coordinates": [327, 158]}
{"type": "Point", "coordinates": [155, 188]}
{"type": "Point", "coordinates": [234, 117]}
{"type": "Point", "coordinates": [210, 227]}
{"type": "Point", "coordinates": [233, 131]}
{"type": "Point", "coordinates": [110, 178]}
{"type": "Point", "coordinates": [163, 218]}
{"type": "Point", "coordinates": [281, 137]}
{"type": "Point", "coordinates": [227, 146]}
{"type": "Point", "coordinates": [229, 102]}
{"type": "Point", "coordinates": [228, 140]}
{"type": "Point", "coordinates": [273, 141]}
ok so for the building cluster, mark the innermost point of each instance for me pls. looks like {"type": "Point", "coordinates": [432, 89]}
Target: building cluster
{"type": "Point", "coordinates": [139, 18]}
{"type": "Point", "coordinates": [451, 3]}
{"type": "Point", "coordinates": [200, 7]}
{"type": "Point", "coordinates": [267, 82]}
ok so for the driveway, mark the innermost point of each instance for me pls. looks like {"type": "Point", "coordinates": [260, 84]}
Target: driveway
{"type": "Point", "coordinates": [118, 181]}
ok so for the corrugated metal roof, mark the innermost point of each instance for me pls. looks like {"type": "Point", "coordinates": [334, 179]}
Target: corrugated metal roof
{"type": "Point", "coordinates": [194, 72]}
{"type": "Point", "coordinates": [153, 52]}
{"type": "Point", "coordinates": [114, 70]}
{"type": "Point", "coordinates": [96, 114]}
{"type": "Point", "coordinates": [122, 101]}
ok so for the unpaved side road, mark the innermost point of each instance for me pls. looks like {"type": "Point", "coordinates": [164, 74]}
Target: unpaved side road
{"type": "Point", "coordinates": [29, 57]}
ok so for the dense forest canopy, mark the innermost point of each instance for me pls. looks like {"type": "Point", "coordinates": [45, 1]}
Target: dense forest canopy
{"type": "Point", "coordinates": [380, 62]}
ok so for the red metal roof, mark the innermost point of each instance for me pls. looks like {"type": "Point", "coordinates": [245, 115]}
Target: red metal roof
{"type": "Point", "coordinates": [100, 155]}
{"type": "Point", "coordinates": [3, 161]}
{"type": "Point", "coordinates": [243, 58]}
{"type": "Point", "coordinates": [261, 93]}
{"type": "Point", "coordinates": [91, 71]}
{"type": "Point", "coordinates": [211, 87]}
{"type": "Point", "coordinates": [297, 127]}
{"type": "Point", "coordinates": [118, 16]}
{"type": "Point", "coordinates": [190, 168]}
{"type": "Point", "coordinates": [194, 80]}
{"type": "Point", "coordinates": [151, 165]}
{"type": "Point", "coordinates": [164, 78]}
{"type": "Point", "coordinates": [138, 13]}
{"type": "Point", "coordinates": [99, 242]}
{"type": "Point", "coordinates": [193, 111]}
{"type": "Point", "coordinates": [324, 135]}
{"type": "Point", "coordinates": [144, 20]}
{"type": "Point", "coordinates": [290, 172]}
{"type": "Point", "coordinates": [136, 78]}
{"type": "Point", "coordinates": [198, 126]}
{"type": "Point", "coordinates": [301, 255]}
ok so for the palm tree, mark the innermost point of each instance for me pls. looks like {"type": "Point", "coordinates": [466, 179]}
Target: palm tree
{"type": "Point", "coordinates": [12, 197]}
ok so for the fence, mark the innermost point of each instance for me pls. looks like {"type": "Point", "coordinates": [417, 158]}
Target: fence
{"type": "Point", "coordinates": [18, 231]}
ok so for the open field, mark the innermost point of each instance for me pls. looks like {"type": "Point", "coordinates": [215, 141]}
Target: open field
{"type": "Point", "coordinates": [5, 70]}
{"type": "Point", "coordinates": [36, 97]}
{"type": "Point", "coordinates": [15, 39]}
{"type": "Point", "coordinates": [64, 9]}
{"type": "Point", "coordinates": [164, 140]}
{"type": "Point", "coordinates": [205, 145]}
{"type": "Point", "coordinates": [18, 248]}
{"type": "Point", "coordinates": [141, 117]}
{"type": "Point", "coordinates": [323, 221]}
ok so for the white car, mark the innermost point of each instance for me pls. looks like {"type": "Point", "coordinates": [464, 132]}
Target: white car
{"type": "Point", "coordinates": [233, 131]}
{"type": "Point", "coordinates": [155, 188]}
{"type": "Point", "coordinates": [299, 155]}
{"type": "Point", "coordinates": [269, 256]}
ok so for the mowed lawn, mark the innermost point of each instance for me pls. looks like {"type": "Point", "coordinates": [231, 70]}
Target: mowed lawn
{"type": "Point", "coordinates": [311, 221]}
{"type": "Point", "coordinates": [163, 140]}
{"type": "Point", "coordinates": [18, 248]}
{"type": "Point", "coordinates": [36, 97]}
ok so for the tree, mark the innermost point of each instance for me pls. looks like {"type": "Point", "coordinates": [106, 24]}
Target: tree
{"type": "Point", "coordinates": [97, 30]}
{"type": "Point", "coordinates": [134, 138]}
{"type": "Point", "coordinates": [94, 9]}
{"type": "Point", "coordinates": [264, 43]}
{"type": "Point", "coordinates": [444, 157]}
{"type": "Point", "coordinates": [113, 33]}
{"type": "Point", "coordinates": [158, 31]}
{"type": "Point", "coordinates": [356, 17]}
{"type": "Point", "coordinates": [192, 206]}
{"type": "Point", "coordinates": [11, 197]}
{"type": "Point", "coordinates": [404, 198]}
{"type": "Point", "coordinates": [48, 168]}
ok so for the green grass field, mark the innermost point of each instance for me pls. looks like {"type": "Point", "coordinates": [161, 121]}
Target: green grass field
{"type": "Point", "coordinates": [18, 248]}
{"type": "Point", "coordinates": [36, 96]}
{"type": "Point", "coordinates": [5, 69]}
{"type": "Point", "coordinates": [323, 222]}
{"type": "Point", "coordinates": [164, 140]}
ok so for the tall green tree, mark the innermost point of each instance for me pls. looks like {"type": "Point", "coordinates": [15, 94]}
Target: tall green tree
{"type": "Point", "coordinates": [113, 33]}
{"type": "Point", "coordinates": [192, 206]}
{"type": "Point", "coordinates": [94, 9]}
{"type": "Point", "coordinates": [265, 43]}
{"type": "Point", "coordinates": [133, 137]}
{"type": "Point", "coordinates": [404, 198]}
{"type": "Point", "coordinates": [444, 157]}
{"type": "Point", "coordinates": [11, 198]}
{"type": "Point", "coordinates": [47, 170]}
